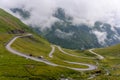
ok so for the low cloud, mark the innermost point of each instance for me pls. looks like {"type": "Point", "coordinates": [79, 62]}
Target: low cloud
{"type": "Point", "coordinates": [83, 11]}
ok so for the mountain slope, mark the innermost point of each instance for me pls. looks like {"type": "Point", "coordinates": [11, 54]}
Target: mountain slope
{"type": "Point", "coordinates": [14, 67]}
{"type": "Point", "coordinates": [10, 23]}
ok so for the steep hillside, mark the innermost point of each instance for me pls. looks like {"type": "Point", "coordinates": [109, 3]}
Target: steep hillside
{"type": "Point", "coordinates": [10, 23]}
{"type": "Point", "coordinates": [14, 67]}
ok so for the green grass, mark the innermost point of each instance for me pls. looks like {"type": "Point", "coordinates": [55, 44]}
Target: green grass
{"type": "Point", "coordinates": [110, 52]}
{"type": "Point", "coordinates": [81, 53]}
{"type": "Point", "coordinates": [19, 68]}
{"type": "Point", "coordinates": [35, 46]}
{"type": "Point", "coordinates": [43, 49]}
{"type": "Point", "coordinates": [111, 62]}
{"type": "Point", "coordinates": [58, 54]}
{"type": "Point", "coordinates": [9, 22]}
{"type": "Point", "coordinates": [59, 57]}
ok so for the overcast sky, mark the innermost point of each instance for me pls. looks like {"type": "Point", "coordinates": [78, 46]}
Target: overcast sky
{"type": "Point", "coordinates": [87, 11]}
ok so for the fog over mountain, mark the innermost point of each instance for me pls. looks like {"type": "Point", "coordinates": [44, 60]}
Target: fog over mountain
{"type": "Point", "coordinates": [81, 23]}
{"type": "Point", "coordinates": [83, 11]}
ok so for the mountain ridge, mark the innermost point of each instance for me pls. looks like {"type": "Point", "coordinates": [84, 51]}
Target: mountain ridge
{"type": "Point", "coordinates": [64, 32]}
{"type": "Point", "coordinates": [99, 35]}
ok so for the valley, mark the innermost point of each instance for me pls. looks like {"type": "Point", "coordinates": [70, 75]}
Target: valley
{"type": "Point", "coordinates": [25, 55]}
{"type": "Point", "coordinates": [91, 67]}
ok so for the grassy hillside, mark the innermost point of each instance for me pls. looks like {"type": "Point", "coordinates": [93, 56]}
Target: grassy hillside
{"type": "Point", "coordinates": [110, 52]}
{"type": "Point", "coordinates": [40, 49]}
{"type": "Point", "coordinates": [111, 64]}
{"type": "Point", "coordinates": [9, 22]}
{"type": "Point", "coordinates": [13, 67]}
{"type": "Point", "coordinates": [109, 67]}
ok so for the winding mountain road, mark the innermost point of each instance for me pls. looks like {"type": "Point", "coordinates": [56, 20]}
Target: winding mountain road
{"type": "Point", "coordinates": [99, 56]}
{"type": "Point", "coordinates": [52, 51]}
{"type": "Point", "coordinates": [8, 47]}
{"type": "Point", "coordinates": [91, 51]}
{"type": "Point", "coordinates": [90, 67]}
{"type": "Point", "coordinates": [60, 49]}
